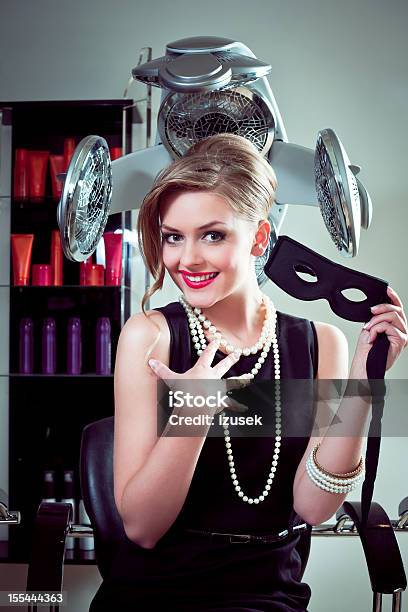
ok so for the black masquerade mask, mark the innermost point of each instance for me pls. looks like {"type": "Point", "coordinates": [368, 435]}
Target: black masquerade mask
{"type": "Point", "coordinates": [289, 257]}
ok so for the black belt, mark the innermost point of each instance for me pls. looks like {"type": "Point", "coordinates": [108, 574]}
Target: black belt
{"type": "Point", "coordinates": [241, 538]}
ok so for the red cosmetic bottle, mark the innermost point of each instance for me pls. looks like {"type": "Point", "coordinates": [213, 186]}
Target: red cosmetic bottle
{"type": "Point", "coordinates": [21, 183]}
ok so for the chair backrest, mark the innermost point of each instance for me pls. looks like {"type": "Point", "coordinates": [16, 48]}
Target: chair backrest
{"type": "Point", "coordinates": [96, 461]}
{"type": "Point", "coordinates": [96, 473]}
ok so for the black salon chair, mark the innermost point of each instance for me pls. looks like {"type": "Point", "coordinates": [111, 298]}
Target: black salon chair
{"type": "Point", "coordinates": [96, 462]}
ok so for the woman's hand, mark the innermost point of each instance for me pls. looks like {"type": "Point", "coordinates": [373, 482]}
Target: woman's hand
{"type": "Point", "coordinates": [203, 371]}
{"type": "Point", "coordinates": [388, 318]}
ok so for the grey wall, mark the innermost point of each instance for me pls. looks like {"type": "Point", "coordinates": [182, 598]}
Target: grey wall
{"type": "Point", "coordinates": [335, 64]}
{"type": "Point", "coordinates": [340, 65]}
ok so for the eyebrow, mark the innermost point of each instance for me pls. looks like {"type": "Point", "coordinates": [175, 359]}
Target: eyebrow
{"type": "Point", "coordinates": [173, 229]}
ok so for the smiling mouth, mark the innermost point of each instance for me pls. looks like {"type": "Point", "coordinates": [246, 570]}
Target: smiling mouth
{"type": "Point", "coordinates": [195, 278]}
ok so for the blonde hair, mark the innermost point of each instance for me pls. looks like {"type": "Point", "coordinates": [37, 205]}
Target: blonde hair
{"type": "Point", "coordinates": [226, 165]}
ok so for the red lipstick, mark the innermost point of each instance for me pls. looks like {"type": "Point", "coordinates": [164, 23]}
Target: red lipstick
{"type": "Point", "coordinates": [197, 284]}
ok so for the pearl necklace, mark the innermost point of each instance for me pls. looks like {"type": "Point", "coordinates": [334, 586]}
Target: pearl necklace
{"type": "Point", "coordinates": [197, 321]}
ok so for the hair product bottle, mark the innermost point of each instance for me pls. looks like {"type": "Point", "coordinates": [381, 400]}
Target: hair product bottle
{"type": "Point", "coordinates": [68, 498]}
{"type": "Point", "coordinates": [69, 148]}
{"type": "Point", "coordinates": [103, 346]}
{"type": "Point", "coordinates": [95, 275]}
{"type": "Point", "coordinates": [115, 152]}
{"type": "Point", "coordinates": [113, 255]}
{"type": "Point", "coordinates": [37, 163]}
{"type": "Point", "coordinates": [74, 346]}
{"type": "Point", "coordinates": [21, 185]}
{"type": "Point", "coordinates": [56, 257]}
{"type": "Point", "coordinates": [26, 346]}
{"type": "Point", "coordinates": [41, 275]}
{"type": "Point", "coordinates": [49, 346]}
{"type": "Point", "coordinates": [85, 543]}
{"type": "Point", "coordinates": [21, 250]}
{"type": "Point", "coordinates": [83, 270]}
{"type": "Point", "coordinates": [48, 486]}
{"type": "Point", "coordinates": [57, 167]}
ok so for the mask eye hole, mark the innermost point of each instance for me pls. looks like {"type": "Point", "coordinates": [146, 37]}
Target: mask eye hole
{"type": "Point", "coordinates": [354, 295]}
{"type": "Point", "coordinates": [305, 273]}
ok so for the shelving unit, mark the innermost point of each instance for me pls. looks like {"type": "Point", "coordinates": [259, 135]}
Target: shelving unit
{"type": "Point", "coordinates": [47, 413]}
{"type": "Point", "coordinates": [61, 303]}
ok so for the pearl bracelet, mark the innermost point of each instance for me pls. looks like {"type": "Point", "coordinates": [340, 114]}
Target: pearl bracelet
{"type": "Point", "coordinates": [331, 482]}
{"type": "Point", "coordinates": [347, 475]}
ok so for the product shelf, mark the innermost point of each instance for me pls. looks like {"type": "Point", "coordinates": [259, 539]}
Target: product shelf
{"type": "Point", "coordinates": [58, 375]}
{"type": "Point", "coordinates": [28, 214]}
{"type": "Point", "coordinates": [21, 289]}
{"type": "Point", "coordinates": [47, 412]}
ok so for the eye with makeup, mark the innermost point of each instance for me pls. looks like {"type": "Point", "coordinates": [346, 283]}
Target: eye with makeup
{"type": "Point", "coordinates": [166, 236]}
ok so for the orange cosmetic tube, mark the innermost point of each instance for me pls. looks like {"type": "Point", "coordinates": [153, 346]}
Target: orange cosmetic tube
{"type": "Point", "coordinates": [38, 172]}
{"type": "Point", "coordinates": [21, 185]}
{"type": "Point", "coordinates": [57, 167]}
{"type": "Point", "coordinates": [113, 258]}
{"type": "Point", "coordinates": [56, 257]}
{"type": "Point", "coordinates": [21, 250]}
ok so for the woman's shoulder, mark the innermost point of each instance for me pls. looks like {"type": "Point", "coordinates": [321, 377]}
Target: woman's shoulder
{"type": "Point", "coordinates": [328, 344]}
{"type": "Point", "coordinates": [144, 323]}
{"type": "Point", "coordinates": [148, 330]}
{"type": "Point", "coordinates": [155, 320]}
{"type": "Point", "coordinates": [330, 336]}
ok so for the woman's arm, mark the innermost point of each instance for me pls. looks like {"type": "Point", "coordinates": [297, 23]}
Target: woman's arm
{"type": "Point", "coordinates": [341, 454]}
{"type": "Point", "coordinates": [151, 475]}
{"type": "Point", "coordinates": [336, 454]}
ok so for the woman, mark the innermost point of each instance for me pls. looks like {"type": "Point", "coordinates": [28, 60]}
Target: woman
{"type": "Point", "coordinates": [205, 222]}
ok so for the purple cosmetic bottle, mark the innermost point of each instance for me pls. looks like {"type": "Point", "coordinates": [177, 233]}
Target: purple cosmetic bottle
{"type": "Point", "coordinates": [103, 346]}
{"type": "Point", "coordinates": [26, 346]}
{"type": "Point", "coordinates": [74, 346]}
{"type": "Point", "coordinates": [49, 346]}
{"type": "Point", "coordinates": [48, 493]}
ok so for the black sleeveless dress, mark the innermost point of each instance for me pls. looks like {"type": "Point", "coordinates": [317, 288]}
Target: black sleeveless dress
{"type": "Point", "coordinates": [193, 573]}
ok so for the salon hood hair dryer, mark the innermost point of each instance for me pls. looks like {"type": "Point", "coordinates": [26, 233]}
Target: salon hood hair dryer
{"type": "Point", "coordinates": [212, 85]}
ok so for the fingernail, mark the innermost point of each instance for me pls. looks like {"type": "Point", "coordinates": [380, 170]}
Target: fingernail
{"type": "Point", "coordinates": [153, 363]}
{"type": "Point", "coordinates": [365, 326]}
{"type": "Point", "coordinates": [374, 307]}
